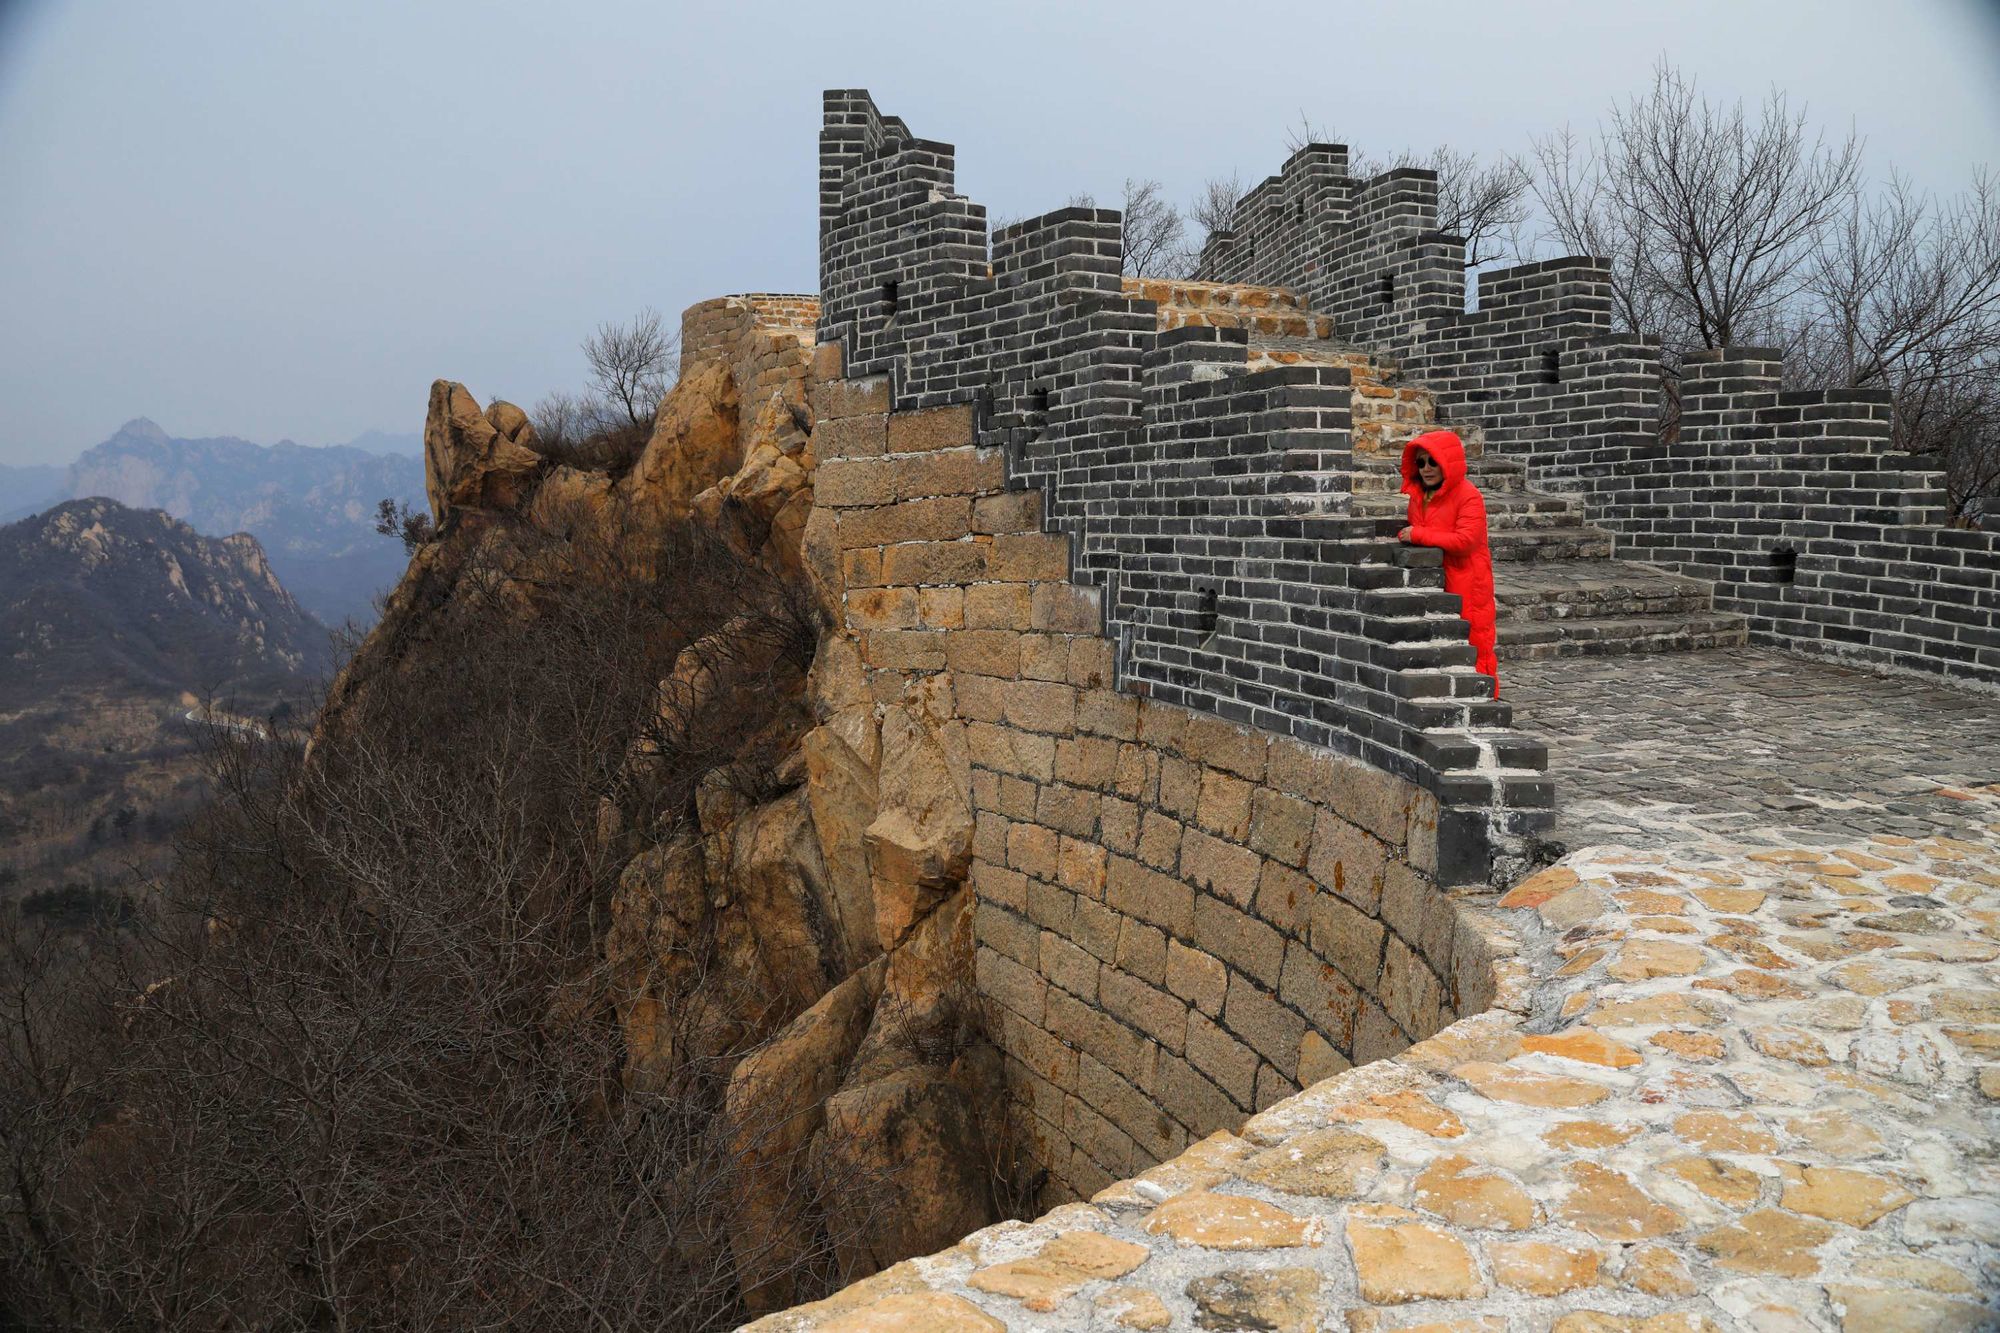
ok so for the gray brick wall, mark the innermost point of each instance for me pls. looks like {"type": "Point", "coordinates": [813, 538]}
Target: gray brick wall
{"type": "Point", "coordinates": [1207, 501]}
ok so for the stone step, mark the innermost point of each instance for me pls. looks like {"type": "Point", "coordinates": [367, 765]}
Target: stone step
{"type": "Point", "coordinates": [1595, 590]}
{"type": "Point", "coordinates": [1543, 544]}
{"type": "Point", "coordinates": [1534, 640]}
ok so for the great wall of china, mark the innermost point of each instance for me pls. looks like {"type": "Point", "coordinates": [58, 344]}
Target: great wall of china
{"type": "Point", "coordinates": [1279, 987]}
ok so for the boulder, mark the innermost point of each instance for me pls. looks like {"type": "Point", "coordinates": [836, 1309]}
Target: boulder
{"type": "Point", "coordinates": [901, 1168]}
{"type": "Point", "coordinates": [775, 1105]}
{"type": "Point", "coordinates": [840, 757]}
{"type": "Point", "coordinates": [471, 463]}
{"type": "Point", "coordinates": [779, 884]}
{"type": "Point", "coordinates": [694, 442]}
{"type": "Point", "coordinates": [920, 844]}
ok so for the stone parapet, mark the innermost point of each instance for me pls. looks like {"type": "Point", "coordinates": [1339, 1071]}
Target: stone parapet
{"type": "Point", "coordinates": [1718, 1089]}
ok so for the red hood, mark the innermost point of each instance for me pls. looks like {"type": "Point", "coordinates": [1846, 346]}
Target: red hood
{"type": "Point", "coordinates": [1442, 445]}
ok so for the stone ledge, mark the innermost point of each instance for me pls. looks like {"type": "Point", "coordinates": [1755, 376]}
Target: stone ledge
{"type": "Point", "coordinates": [1742, 1088]}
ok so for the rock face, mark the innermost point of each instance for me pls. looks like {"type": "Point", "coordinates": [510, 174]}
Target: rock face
{"type": "Point", "coordinates": [806, 938]}
{"type": "Point", "coordinates": [474, 459]}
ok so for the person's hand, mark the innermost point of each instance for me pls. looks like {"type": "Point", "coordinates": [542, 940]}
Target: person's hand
{"type": "Point", "coordinates": [1403, 534]}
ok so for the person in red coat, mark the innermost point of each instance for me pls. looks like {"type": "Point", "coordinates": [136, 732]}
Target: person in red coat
{"type": "Point", "coordinates": [1448, 512]}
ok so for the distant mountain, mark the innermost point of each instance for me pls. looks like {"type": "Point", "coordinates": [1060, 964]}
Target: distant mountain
{"type": "Point", "coordinates": [408, 444]}
{"type": "Point", "coordinates": [24, 490]}
{"type": "Point", "coordinates": [95, 596]}
{"type": "Point", "coordinates": [312, 507]}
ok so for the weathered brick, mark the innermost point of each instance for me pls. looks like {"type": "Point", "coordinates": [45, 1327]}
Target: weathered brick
{"type": "Point", "coordinates": [1223, 807]}
{"type": "Point", "coordinates": [882, 608]}
{"type": "Point", "coordinates": [1410, 993]}
{"type": "Point", "coordinates": [850, 398]}
{"type": "Point", "coordinates": [1225, 745]}
{"type": "Point", "coordinates": [1000, 929]}
{"type": "Point", "coordinates": [1118, 825]}
{"type": "Point", "coordinates": [943, 519]}
{"type": "Point", "coordinates": [1031, 850]}
{"type": "Point", "coordinates": [855, 437]}
{"type": "Point", "coordinates": [1414, 908]}
{"type": "Point", "coordinates": [1136, 891]}
{"type": "Point", "coordinates": [1097, 929]}
{"type": "Point", "coordinates": [1348, 938]}
{"type": "Point", "coordinates": [1285, 898]}
{"type": "Point", "coordinates": [1153, 1012]}
{"type": "Point", "coordinates": [1044, 657]}
{"type": "Point", "coordinates": [1029, 558]}
{"type": "Point", "coordinates": [941, 608]}
{"type": "Point", "coordinates": [1039, 706]}
{"type": "Point", "coordinates": [934, 562]}
{"type": "Point", "coordinates": [1001, 979]}
{"type": "Point", "coordinates": [1090, 1029]}
{"type": "Point", "coordinates": [1071, 810]}
{"type": "Point", "coordinates": [1106, 712]}
{"type": "Point", "coordinates": [1218, 1053]}
{"type": "Point", "coordinates": [1009, 512]}
{"type": "Point", "coordinates": [1220, 867]}
{"type": "Point", "coordinates": [1243, 942]}
{"type": "Point", "coordinates": [996, 606]}
{"type": "Point", "coordinates": [1159, 841]}
{"type": "Point", "coordinates": [1329, 1001]}
{"type": "Point", "coordinates": [1186, 1094]}
{"type": "Point", "coordinates": [1086, 761]}
{"type": "Point", "coordinates": [907, 650]}
{"type": "Point", "coordinates": [1142, 952]}
{"type": "Point", "coordinates": [1080, 866]}
{"type": "Point", "coordinates": [1280, 826]}
{"type": "Point", "coordinates": [1347, 861]}
{"type": "Point", "coordinates": [1180, 787]}
{"type": "Point", "coordinates": [1268, 1026]}
{"type": "Point", "coordinates": [1199, 978]}
{"type": "Point", "coordinates": [1065, 965]}
{"type": "Point", "coordinates": [935, 428]}
{"type": "Point", "coordinates": [1065, 608]}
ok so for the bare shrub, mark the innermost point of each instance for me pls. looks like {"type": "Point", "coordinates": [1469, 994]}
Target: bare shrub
{"type": "Point", "coordinates": [357, 1064]}
{"type": "Point", "coordinates": [604, 429]}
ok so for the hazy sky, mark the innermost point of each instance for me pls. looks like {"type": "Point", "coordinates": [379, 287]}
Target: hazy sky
{"type": "Point", "coordinates": [284, 218]}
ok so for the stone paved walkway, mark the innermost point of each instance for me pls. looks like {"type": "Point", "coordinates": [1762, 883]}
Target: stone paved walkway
{"type": "Point", "coordinates": [1721, 1089]}
{"type": "Point", "coordinates": [1754, 745]}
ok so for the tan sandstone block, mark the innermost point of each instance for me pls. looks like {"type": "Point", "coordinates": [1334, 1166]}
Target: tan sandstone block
{"type": "Point", "coordinates": [1658, 1271]}
{"type": "Point", "coordinates": [1586, 1045]}
{"type": "Point", "coordinates": [1609, 1206]}
{"type": "Point", "coordinates": [932, 428]}
{"type": "Point", "coordinates": [1326, 1163]}
{"type": "Point", "coordinates": [1726, 1131]}
{"type": "Point", "coordinates": [1524, 1087]}
{"type": "Point", "coordinates": [1853, 1198]}
{"type": "Point", "coordinates": [1588, 1135]}
{"type": "Point", "coordinates": [1283, 1300]}
{"type": "Point", "coordinates": [1690, 1045]}
{"type": "Point", "coordinates": [1899, 1310]}
{"type": "Point", "coordinates": [1230, 1222]}
{"type": "Point", "coordinates": [1133, 1307]}
{"type": "Point", "coordinates": [1399, 1259]}
{"type": "Point", "coordinates": [1723, 1181]}
{"type": "Point", "coordinates": [1469, 1195]}
{"type": "Point", "coordinates": [916, 1312]}
{"type": "Point", "coordinates": [1542, 1269]}
{"type": "Point", "coordinates": [1767, 1242]}
{"type": "Point", "coordinates": [1640, 960]}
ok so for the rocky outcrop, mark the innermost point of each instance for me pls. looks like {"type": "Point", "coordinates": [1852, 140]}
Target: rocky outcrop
{"type": "Point", "coordinates": [802, 935]}
{"type": "Point", "coordinates": [474, 459]}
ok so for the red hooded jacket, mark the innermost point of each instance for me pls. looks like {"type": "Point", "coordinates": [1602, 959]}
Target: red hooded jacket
{"type": "Point", "coordinates": [1453, 519]}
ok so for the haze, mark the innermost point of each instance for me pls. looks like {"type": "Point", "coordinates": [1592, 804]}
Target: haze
{"type": "Point", "coordinates": [286, 220]}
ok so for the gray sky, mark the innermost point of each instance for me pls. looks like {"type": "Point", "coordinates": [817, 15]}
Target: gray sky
{"type": "Point", "coordinates": [285, 219]}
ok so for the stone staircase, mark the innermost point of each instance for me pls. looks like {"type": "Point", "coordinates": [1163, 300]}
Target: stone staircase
{"type": "Point", "coordinates": [1559, 589]}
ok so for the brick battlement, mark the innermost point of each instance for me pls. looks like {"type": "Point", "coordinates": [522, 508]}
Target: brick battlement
{"type": "Point", "coordinates": [1206, 499]}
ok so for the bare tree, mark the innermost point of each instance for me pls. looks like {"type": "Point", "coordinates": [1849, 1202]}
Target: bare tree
{"type": "Point", "coordinates": [1904, 293]}
{"type": "Point", "coordinates": [1150, 228]}
{"type": "Point", "coordinates": [1212, 210]}
{"type": "Point", "coordinates": [632, 365]}
{"type": "Point", "coordinates": [1709, 218]}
